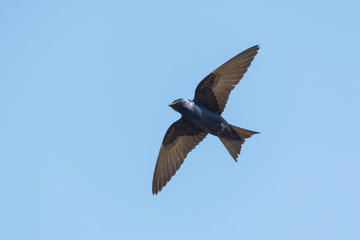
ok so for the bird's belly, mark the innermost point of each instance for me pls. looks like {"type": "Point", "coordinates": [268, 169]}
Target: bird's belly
{"type": "Point", "coordinates": [209, 121]}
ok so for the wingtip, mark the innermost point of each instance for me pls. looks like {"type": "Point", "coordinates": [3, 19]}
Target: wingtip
{"type": "Point", "coordinates": [155, 191]}
{"type": "Point", "coordinates": [251, 51]}
{"type": "Point", "coordinates": [257, 47]}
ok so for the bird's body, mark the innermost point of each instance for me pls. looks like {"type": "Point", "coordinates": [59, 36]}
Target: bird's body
{"type": "Point", "coordinates": [202, 116]}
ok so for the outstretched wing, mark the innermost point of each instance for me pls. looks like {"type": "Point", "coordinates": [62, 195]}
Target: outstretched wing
{"type": "Point", "coordinates": [214, 90]}
{"type": "Point", "coordinates": [179, 140]}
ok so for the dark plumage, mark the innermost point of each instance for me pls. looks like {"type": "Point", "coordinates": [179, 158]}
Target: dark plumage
{"type": "Point", "coordinates": [202, 116]}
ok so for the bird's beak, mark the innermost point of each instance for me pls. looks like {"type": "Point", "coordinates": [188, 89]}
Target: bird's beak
{"type": "Point", "coordinates": [171, 104]}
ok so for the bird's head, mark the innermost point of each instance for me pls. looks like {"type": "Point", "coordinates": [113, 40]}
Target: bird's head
{"type": "Point", "coordinates": [180, 104]}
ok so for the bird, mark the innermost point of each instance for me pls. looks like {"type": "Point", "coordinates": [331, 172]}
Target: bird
{"type": "Point", "coordinates": [202, 116]}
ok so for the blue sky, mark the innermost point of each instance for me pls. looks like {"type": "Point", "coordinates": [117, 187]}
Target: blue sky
{"type": "Point", "coordinates": [84, 89]}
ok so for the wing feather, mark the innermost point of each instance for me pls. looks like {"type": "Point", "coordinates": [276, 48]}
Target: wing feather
{"type": "Point", "coordinates": [179, 140]}
{"type": "Point", "coordinates": [214, 90]}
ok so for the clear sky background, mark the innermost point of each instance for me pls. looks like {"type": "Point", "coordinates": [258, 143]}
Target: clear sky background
{"type": "Point", "coordinates": [84, 89]}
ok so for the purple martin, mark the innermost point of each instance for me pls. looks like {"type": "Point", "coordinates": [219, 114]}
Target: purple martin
{"type": "Point", "coordinates": [201, 116]}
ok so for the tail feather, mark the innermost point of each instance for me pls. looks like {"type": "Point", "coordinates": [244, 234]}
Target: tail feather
{"type": "Point", "coordinates": [234, 145]}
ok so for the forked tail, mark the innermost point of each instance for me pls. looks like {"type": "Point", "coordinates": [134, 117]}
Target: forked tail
{"type": "Point", "coordinates": [233, 144]}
